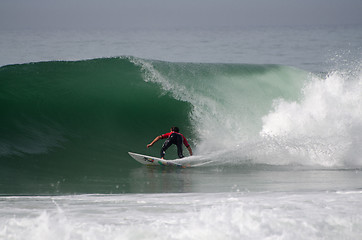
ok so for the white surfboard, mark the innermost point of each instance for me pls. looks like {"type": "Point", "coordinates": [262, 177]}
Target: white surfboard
{"type": "Point", "coordinates": [148, 160]}
{"type": "Point", "coordinates": [192, 161]}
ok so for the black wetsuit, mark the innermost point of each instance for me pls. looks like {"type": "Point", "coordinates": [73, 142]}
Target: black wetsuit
{"type": "Point", "coordinates": [176, 139]}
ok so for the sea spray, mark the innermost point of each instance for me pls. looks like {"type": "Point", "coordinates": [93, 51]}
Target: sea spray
{"type": "Point", "coordinates": [325, 126]}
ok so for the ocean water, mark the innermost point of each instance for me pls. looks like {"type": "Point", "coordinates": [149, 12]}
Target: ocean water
{"type": "Point", "coordinates": [276, 110]}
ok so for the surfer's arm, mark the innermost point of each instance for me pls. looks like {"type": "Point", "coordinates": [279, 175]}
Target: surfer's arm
{"type": "Point", "coordinates": [155, 140]}
{"type": "Point", "coordinates": [190, 150]}
{"type": "Point", "coordinates": [187, 145]}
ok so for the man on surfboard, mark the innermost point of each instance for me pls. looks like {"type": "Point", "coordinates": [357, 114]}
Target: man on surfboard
{"type": "Point", "coordinates": [173, 137]}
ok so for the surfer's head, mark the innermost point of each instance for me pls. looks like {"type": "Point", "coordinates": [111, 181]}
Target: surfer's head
{"type": "Point", "coordinates": [175, 129]}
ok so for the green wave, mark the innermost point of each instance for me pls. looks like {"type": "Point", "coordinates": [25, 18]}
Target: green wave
{"type": "Point", "coordinates": [80, 118]}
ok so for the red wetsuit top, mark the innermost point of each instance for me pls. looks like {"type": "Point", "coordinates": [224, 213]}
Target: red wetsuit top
{"type": "Point", "coordinates": [167, 135]}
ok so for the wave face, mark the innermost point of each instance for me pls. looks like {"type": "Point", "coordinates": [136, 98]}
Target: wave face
{"type": "Point", "coordinates": [70, 118]}
{"type": "Point", "coordinates": [67, 118]}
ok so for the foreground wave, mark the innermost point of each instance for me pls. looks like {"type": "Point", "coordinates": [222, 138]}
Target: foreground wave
{"type": "Point", "coordinates": [333, 215]}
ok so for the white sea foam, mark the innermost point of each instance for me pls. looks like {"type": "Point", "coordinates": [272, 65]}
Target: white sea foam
{"type": "Point", "coordinates": [325, 126]}
{"type": "Point", "coordinates": [183, 216]}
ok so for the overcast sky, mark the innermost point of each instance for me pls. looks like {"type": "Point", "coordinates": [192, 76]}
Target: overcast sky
{"type": "Point", "coordinates": [113, 14]}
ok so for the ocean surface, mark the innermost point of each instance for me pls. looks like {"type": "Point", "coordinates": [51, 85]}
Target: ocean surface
{"type": "Point", "coordinates": [276, 110]}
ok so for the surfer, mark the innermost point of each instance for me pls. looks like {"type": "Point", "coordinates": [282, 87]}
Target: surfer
{"type": "Point", "coordinates": [173, 137]}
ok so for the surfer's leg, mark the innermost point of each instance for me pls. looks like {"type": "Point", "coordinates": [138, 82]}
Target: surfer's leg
{"type": "Point", "coordinates": [166, 145]}
{"type": "Point", "coordinates": [179, 146]}
{"type": "Point", "coordinates": [179, 151]}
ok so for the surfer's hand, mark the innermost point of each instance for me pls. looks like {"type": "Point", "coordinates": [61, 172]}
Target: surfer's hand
{"type": "Point", "coordinates": [155, 140]}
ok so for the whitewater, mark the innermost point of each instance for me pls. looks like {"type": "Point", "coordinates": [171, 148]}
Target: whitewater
{"type": "Point", "coordinates": [278, 120]}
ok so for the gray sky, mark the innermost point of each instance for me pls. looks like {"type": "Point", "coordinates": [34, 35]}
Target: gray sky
{"type": "Point", "coordinates": [113, 14]}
